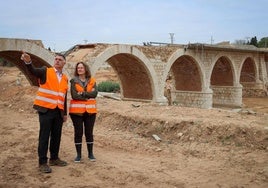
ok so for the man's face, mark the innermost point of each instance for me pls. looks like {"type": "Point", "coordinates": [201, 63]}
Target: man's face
{"type": "Point", "coordinates": [59, 62]}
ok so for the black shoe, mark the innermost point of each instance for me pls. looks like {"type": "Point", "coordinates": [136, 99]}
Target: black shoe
{"type": "Point", "coordinates": [77, 159]}
{"type": "Point", "coordinates": [92, 158]}
{"type": "Point", "coordinates": [57, 162]}
{"type": "Point", "coordinates": [44, 168]}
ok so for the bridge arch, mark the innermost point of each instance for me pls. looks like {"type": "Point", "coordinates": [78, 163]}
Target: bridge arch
{"type": "Point", "coordinates": [223, 72]}
{"type": "Point", "coordinates": [248, 70]}
{"type": "Point", "coordinates": [223, 61]}
{"type": "Point", "coordinates": [224, 82]}
{"type": "Point", "coordinates": [11, 49]}
{"type": "Point", "coordinates": [134, 70]}
{"type": "Point", "coordinates": [190, 62]}
{"type": "Point", "coordinates": [187, 74]}
{"type": "Point", "coordinates": [189, 80]}
{"type": "Point", "coordinates": [250, 78]}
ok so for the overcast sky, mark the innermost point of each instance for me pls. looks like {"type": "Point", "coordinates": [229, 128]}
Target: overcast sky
{"type": "Point", "coordinates": [61, 24]}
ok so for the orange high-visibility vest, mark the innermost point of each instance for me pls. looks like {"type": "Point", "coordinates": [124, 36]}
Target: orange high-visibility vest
{"type": "Point", "coordinates": [82, 106]}
{"type": "Point", "coordinates": [52, 93]}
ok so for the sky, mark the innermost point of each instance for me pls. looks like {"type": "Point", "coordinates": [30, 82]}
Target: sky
{"type": "Point", "coordinates": [61, 24]}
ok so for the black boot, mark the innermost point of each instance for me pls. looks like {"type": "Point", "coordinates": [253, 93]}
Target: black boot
{"type": "Point", "coordinates": [90, 152]}
{"type": "Point", "coordinates": [78, 148]}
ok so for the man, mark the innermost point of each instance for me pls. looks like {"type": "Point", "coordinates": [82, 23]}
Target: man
{"type": "Point", "coordinates": [51, 105]}
{"type": "Point", "coordinates": [168, 88]}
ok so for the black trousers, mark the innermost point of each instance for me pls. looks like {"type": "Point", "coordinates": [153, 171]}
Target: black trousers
{"type": "Point", "coordinates": [49, 134]}
{"type": "Point", "coordinates": [83, 122]}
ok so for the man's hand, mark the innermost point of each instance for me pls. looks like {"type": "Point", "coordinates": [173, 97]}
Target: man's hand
{"type": "Point", "coordinates": [65, 118]}
{"type": "Point", "coordinates": [25, 57]}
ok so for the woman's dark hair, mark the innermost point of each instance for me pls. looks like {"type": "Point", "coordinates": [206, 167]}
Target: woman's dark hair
{"type": "Point", "coordinates": [87, 70]}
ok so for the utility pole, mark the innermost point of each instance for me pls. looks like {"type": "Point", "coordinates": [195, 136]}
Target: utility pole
{"type": "Point", "coordinates": [211, 40]}
{"type": "Point", "coordinates": [171, 37]}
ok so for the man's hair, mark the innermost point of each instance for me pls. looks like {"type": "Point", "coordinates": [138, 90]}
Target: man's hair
{"type": "Point", "coordinates": [63, 56]}
{"type": "Point", "coordinates": [87, 70]}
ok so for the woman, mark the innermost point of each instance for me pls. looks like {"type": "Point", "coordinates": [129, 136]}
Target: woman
{"type": "Point", "coordinates": [83, 108]}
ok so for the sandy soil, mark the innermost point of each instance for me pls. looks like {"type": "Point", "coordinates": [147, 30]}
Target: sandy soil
{"type": "Point", "coordinates": [198, 148]}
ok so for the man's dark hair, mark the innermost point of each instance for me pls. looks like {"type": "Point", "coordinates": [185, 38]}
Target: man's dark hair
{"type": "Point", "coordinates": [63, 56]}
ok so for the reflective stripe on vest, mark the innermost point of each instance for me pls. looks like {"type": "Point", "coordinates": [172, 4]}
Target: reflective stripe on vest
{"type": "Point", "coordinates": [79, 106]}
{"type": "Point", "coordinates": [51, 92]}
{"type": "Point", "coordinates": [49, 100]}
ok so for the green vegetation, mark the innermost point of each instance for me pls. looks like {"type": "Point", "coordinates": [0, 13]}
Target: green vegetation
{"type": "Point", "coordinates": [5, 63]}
{"type": "Point", "coordinates": [108, 86]}
{"type": "Point", "coordinates": [263, 43]}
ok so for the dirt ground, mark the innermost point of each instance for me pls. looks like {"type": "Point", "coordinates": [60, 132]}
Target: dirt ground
{"type": "Point", "coordinates": [203, 148]}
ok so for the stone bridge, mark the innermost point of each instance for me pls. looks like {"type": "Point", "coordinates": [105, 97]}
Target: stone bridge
{"type": "Point", "coordinates": [202, 75]}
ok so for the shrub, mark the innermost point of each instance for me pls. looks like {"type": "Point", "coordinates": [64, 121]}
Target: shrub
{"type": "Point", "coordinates": [108, 86]}
{"type": "Point", "coordinates": [5, 63]}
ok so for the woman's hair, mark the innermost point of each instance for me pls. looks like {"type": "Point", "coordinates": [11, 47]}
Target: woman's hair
{"type": "Point", "coordinates": [87, 70]}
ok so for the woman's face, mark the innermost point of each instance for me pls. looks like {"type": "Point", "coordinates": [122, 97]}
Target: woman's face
{"type": "Point", "coordinates": [81, 69]}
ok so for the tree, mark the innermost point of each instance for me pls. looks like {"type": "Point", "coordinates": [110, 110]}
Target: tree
{"type": "Point", "coordinates": [263, 43]}
{"type": "Point", "coordinates": [254, 41]}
